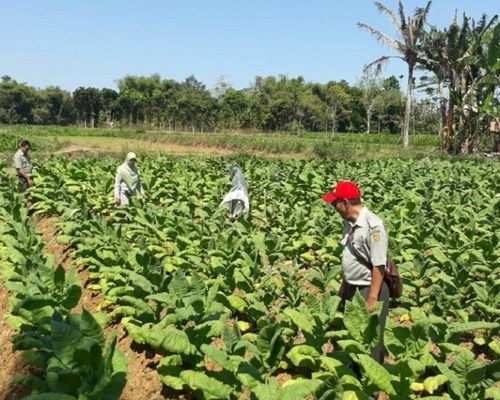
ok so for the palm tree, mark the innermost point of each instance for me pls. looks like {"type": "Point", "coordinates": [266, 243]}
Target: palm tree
{"type": "Point", "coordinates": [434, 44]}
{"type": "Point", "coordinates": [410, 30]}
{"type": "Point", "coordinates": [459, 57]}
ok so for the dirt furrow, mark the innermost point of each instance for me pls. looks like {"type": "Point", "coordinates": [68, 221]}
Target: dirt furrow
{"type": "Point", "coordinates": [12, 361]}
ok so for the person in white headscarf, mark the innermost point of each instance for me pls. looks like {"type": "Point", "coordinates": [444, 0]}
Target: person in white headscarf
{"type": "Point", "coordinates": [128, 181]}
{"type": "Point", "coordinates": [237, 198]}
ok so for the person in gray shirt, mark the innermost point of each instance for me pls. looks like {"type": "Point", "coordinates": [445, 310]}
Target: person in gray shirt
{"type": "Point", "coordinates": [364, 255]}
{"type": "Point", "coordinates": [23, 166]}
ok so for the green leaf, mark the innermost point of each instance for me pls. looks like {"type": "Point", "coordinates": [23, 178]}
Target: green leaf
{"type": "Point", "coordinates": [268, 391]}
{"type": "Point", "coordinates": [115, 374]}
{"type": "Point", "coordinates": [50, 396]}
{"type": "Point", "coordinates": [300, 319]}
{"type": "Point", "coordinates": [303, 356]}
{"type": "Point", "coordinates": [179, 285]}
{"type": "Point", "coordinates": [377, 374]}
{"type": "Point", "coordinates": [456, 384]}
{"type": "Point", "coordinates": [330, 364]}
{"type": "Point", "coordinates": [237, 303]}
{"type": "Point", "coordinates": [218, 356]}
{"type": "Point", "coordinates": [90, 328]}
{"type": "Point", "coordinates": [170, 339]}
{"type": "Point", "coordinates": [472, 326]}
{"type": "Point", "coordinates": [208, 385]}
{"type": "Point", "coordinates": [248, 375]}
{"type": "Point", "coordinates": [170, 376]}
{"type": "Point", "coordinates": [33, 302]}
{"type": "Point", "coordinates": [356, 317]}
{"type": "Point", "coordinates": [59, 276]}
{"type": "Point", "coordinates": [299, 388]}
{"type": "Point", "coordinates": [65, 339]}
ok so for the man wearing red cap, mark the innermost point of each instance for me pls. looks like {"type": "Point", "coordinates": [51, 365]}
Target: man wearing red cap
{"type": "Point", "coordinates": [364, 257]}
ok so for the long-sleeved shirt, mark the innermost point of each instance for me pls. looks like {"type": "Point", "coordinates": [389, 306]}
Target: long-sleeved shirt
{"type": "Point", "coordinates": [122, 188]}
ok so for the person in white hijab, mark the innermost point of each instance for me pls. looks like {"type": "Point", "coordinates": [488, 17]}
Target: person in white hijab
{"type": "Point", "coordinates": [128, 181]}
{"type": "Point", "coordinates": [237, 197]}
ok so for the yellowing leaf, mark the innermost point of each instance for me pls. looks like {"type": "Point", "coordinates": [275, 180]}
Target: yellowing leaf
{"type": "Point", "coordinates": [405, 317]}
{"type": "Point", "coordinates": [480, 341]}
{"type": "Point", "coordinates": [495, 346]}
{"type": "Point", "coordinates": [417, 387]}
{"type": "Point", "coordinates": [349, 395]}
{"type": "Point", "coordinates": [433, 382]}
{"type": "Point", "coordinates": [243, 326]}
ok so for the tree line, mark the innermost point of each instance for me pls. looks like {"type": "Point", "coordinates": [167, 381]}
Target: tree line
{"type": "Point", "coordinates": [269, 104]}
{"type": "Point", "coordinates": [461, 66]}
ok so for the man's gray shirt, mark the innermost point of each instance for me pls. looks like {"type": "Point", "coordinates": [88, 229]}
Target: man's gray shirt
{"type": "Point", "coordinates": [370, 241]}
{"type": "Point", "coordinates": [23, 161]}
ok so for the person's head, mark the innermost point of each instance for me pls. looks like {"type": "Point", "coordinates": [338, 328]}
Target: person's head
{"type": "Point", "coordinates": [233, 170]}
{"type": "Point", "coordinates": [131, 159]}
{"type": "Point", "coordinates": [25, 146]}
{"type": "Point", "coordinates": [345, 199]}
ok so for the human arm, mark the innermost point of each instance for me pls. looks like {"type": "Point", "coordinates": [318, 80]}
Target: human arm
{"type": "Point", "coordinates": [118, 181]}
{"type": "Point", "coordinates": [378, 258]}
{"type": "Point", "coordinates": [375, 286]}
{"type": "Point", "coordinates": [22, 172]}
{"type": "Point", "coordinates": [141, 188]}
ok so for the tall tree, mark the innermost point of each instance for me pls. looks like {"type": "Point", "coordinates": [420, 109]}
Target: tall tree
{"type": "Point", "coordinates": [410, 31]}
{"type": "Point", "coordinates": [371, 88]}
{"type": "Point", "coordinates": [88, 105]}
{"type": "Point", "coordinates": [17, 102]}
{"type": "Point", "coordinates": [108, 100]}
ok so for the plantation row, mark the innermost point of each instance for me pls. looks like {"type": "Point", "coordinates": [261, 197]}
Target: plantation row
{"type": "Point", "coordinates": [250, 309]}
{"type": "Point", "coordinates": [68, 347]}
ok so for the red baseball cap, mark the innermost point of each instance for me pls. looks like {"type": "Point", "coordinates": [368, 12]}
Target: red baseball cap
{"type": "Point", "coordinates": [343, 190]}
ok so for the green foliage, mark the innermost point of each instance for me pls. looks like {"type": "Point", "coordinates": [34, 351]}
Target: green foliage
{"type": "Point", "coordinates": [68, 349]}
{"type": "Point", "coordinates": [251, 307]}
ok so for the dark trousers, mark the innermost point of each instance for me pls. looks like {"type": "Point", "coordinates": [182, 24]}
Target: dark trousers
{"type": "Point", "coordinates": [348, 293]}
{"type": "Point", "coordinates": [22, 184]}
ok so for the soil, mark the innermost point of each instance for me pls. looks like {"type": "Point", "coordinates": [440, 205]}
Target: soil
{"type": "Point", "coordinates": [12, 362]}
{"type": "Point", "coordinates": [76, 151]}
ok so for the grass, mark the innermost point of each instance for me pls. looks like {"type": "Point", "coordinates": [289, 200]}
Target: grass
{"type": "Point", "coordinates": [307, 144]}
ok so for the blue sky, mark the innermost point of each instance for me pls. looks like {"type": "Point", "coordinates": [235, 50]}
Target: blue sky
{"type": "Point", "coordinates": [94, 43]}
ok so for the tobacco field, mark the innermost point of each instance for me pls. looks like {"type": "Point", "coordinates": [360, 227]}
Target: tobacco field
{"type": "Point", "coordinates": [249, 309]}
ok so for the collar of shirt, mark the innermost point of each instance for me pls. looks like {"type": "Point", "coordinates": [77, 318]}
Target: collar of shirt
{"type": "Point", "coordinates": [361, 221]}
{"type": "Point", "coordinates": [350, 227]}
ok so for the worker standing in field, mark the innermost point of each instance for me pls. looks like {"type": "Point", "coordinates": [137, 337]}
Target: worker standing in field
{"type": "Point", "coordinates": [237, 197]}
{"type": "Point", "coordinates": [364, 256]}
{"type": "Point", "coordinates": [23, 166]}
{"type": "Point", "coordinates": [127, 181]}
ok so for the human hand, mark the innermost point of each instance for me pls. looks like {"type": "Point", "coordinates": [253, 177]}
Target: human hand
{"type": "Point", "coordinates": [31, 182]}
{"type": "Point", "coordinates": [118, 201]}
{"type": "Point", "coordinates": [371, 302]}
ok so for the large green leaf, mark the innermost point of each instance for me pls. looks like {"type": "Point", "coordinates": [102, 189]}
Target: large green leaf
{"type": "Point", "coordinates": [211, 387]}
{"type": "Point", "coordinates": [300, 319]}
{"type": "Point", "coordinates": [304, 356]}
{"type": "Point", "coordinates": [377, 374]}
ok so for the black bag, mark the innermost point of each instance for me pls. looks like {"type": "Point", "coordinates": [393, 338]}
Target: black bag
{"type": "Point", "coordinates": [391, 272]}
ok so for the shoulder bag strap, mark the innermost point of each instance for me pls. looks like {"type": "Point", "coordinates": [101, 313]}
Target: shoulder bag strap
{"type": "Point", "coordinates": [355, 252]}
